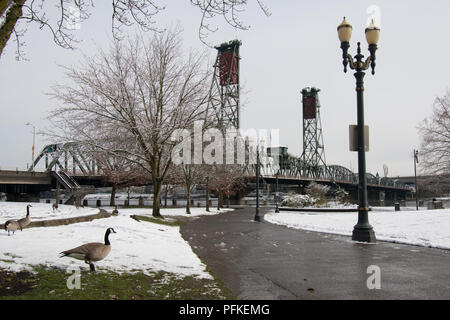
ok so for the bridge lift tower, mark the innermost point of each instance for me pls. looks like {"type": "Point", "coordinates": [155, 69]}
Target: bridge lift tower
{"type": "Point", "coordinates": [224, 91]}
{"type": "Point", "coordinates": [313, 162]}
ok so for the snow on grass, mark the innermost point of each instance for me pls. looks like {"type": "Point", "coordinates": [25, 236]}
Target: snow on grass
{"type": "Point", "coordinates": [424, 227]}
{"type": "Point", "coordinates": [41, 211]}
{"type": "Point", "coordinates": [137, 246]}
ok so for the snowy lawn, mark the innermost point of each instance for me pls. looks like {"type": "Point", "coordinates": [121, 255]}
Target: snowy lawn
{"type": "Point", "coordinates": [424, 227]}
{"type": "Point", "coordinates": [137, 246]}
{"type": "Point", "coordinates": [41, 211]}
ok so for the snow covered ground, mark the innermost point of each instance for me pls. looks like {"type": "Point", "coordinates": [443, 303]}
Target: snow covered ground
{"type": "Point", "coordinates": [424, 227]}
{"type": "Point", "coordinates": [136, 245]}
{"type": "Point", "coordinates": [41, 211]}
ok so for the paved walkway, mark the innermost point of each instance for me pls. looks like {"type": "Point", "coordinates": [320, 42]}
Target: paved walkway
{"type": "Point", "coordinates": [266, 261]}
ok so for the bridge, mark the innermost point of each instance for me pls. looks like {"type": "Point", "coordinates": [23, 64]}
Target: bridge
{"type": "Point", "coordinates": [70, 166]}
{"type": "Point", "coordinates": [65, 166]}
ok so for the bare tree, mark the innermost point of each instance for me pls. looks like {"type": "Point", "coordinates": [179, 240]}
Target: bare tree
{"type": "Point", "coordinates": [228, 181]}
{"type": "Point", "coordinates": [190, 176]}
{"type": "Point", "coordinates": [129, 101]}
{"type": "Point", "coordinates": [120, 173]}
{"type": "Point", "coordinates": [435, 135]}
{"type": "Point", "coordinates": [124, 13]}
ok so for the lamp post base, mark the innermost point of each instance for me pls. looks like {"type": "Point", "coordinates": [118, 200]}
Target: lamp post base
{"type": "Point", "coordinates": [364, 235]}
{"type": "Point", "coordinates": [257, 216]}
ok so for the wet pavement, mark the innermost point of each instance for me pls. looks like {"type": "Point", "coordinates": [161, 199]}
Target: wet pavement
{"type": "Point", "coordinates": [267, 261]}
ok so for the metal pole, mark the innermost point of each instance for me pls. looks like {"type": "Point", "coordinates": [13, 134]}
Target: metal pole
{"type": "Point", "coordinates": [257, 217]}
{"type": "Point", "coordinates": [276, 193]}
{"type": "Point", "coordinates": [415, 178]}
{"type": "Point", "coordinates": [32, 149]}
{"type": "Point", "coordinates": [362, 231]}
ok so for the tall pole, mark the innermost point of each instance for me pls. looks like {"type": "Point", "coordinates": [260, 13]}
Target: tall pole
{"type": "Point", "coordinates": [362, 231]}
{"type": "Point", "coordinates": [257, 217]}
{"type": "Point", "coordinates": [277, 210]}
{"type": "Point", "coordinates": [416, 160]}
{"type": "Point", "coordinates": [32, 147]}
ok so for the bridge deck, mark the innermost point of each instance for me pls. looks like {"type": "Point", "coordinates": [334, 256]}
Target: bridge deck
{"type": "Point", "coordinates": [24, 177]}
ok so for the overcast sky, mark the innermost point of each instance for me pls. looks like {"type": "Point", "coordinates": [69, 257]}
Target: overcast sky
{"type": "Point", "coordinates": [296, 47]}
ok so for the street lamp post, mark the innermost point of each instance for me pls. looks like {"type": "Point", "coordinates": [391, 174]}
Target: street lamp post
{"type": "Point", "coordinates": [257, 144]}
{"type": "Point", "coordinates": [32, 148]}
{"type": "Point", "coordinates": [362, 231]}
{"type": "Point", "coordinates": [416, 160]}
{"type": "Point", "coordinates": [257, 217]}
{"type": "Point", "coordinates": [276, 192]}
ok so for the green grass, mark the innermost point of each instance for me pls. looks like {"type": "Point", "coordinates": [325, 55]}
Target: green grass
{"type": "Point", "coordinates": [51, 283]}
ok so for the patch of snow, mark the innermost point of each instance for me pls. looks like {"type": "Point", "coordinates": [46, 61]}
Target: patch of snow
{"type": "Point", "coordinates": [137, 246]}
{"type": "Point", "coordinates": [424, 227]}
{"type": "Point", "coordinates": [41, 211]}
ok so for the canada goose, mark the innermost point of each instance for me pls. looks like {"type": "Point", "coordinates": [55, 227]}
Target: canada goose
{"type": "Point", "coordinates": [25, 221]}
{"type": "Point", "coordinates": [91, 252]}
{"type": "Point", "coordinates": [11, 225]}
{"type": "Point", "coordinates": [14, 225]}
{"type": "Point", "coordinates": [115, 211]}
{"type": "Point", "coordinates": [54, 207]}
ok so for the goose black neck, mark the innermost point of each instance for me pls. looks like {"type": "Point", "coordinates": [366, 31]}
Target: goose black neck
{"type": "Point", "coordinates": [28, 211]}
{"type": "Point", "coordinates": [107, 237]}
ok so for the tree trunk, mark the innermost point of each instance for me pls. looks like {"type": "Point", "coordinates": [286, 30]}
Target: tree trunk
{"type": "Point", "coordinates": [112, 201]}
{"type": "Point", "coordinates": [156, 198]}
{"type": "Point", "coordinates": [188, 203]}
{"type": "Point", "coordinates": [13, 14]}
{"type": "Point", "coordinates": [220, 201]}
{"type": "Point", "coordinates": [207, 195]}
{"type": "Point", "coordinates": [166, 190]}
